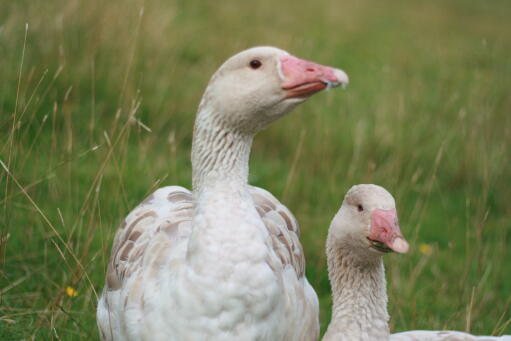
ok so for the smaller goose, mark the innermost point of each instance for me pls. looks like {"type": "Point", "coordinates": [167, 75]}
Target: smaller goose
{"type": "Point", "coordinates": [364, 229]}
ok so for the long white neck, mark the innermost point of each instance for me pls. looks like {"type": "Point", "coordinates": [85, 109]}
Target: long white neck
{"type": "Point", "coordinates": [219, 153]}
{"type": "Point", "coordinates": [359, 310]}
{"type": "Point", "coordinates": [226, 227]}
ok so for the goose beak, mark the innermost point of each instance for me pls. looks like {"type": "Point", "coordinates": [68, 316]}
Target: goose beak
{"type": "Point", "coordinates": [302, 78]}
{"type": "Point", "coordinates": [385, 235]}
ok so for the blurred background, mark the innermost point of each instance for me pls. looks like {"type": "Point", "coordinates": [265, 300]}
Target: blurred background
{"type": "Point", "coordinates": [97, 102]}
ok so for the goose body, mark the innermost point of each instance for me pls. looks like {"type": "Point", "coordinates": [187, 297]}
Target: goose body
{"type": "Point", "coordinates": [443, 335]}
{"type": "Point", "coordinates": [363, 230]}
{"type": "Point", "coordinates": [223, 262]}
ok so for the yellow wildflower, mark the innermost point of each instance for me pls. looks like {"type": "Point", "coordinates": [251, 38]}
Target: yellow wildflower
{"type": "Point", "coordinates": [71, 292]}
{"type": "Point", "coordinates": [426, 249]}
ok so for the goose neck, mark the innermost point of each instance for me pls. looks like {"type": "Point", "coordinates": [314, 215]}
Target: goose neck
{"type": "Point", "coordinates": [220, 154]}
{"type": "Point", "coordinates": [359, 310]}
{"type": "Point", "coordinates": [227, 232]}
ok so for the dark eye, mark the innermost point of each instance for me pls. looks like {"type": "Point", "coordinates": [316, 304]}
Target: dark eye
{"type": "Point", "coordinates": [360, 208]}
{"type": "Point", "coordinates": [255, 64]}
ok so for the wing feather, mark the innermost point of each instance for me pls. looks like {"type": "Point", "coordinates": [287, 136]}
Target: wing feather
{"type": "Point", "coordinates": [283, 229]}
{"type": "Point", "coordinates": [166, 210]}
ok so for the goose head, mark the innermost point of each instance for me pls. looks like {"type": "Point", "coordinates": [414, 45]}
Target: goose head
{"type": "Point", "coordinates": [367, 223]}
{"type": "Point", "coordinates": [261, 84]}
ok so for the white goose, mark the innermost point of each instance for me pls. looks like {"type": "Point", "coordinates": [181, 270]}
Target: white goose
{"type": "Point", "coordinates": [223, 262]}
{"type": "Point", "coordinates": [363, 230]}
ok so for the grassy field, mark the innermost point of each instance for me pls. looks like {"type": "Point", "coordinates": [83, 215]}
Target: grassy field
{"type": "Point", "coordinates": [97, 102]}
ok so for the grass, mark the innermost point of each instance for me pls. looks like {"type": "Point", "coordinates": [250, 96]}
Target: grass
{"type": "Point", "coordinates": [96, 110]}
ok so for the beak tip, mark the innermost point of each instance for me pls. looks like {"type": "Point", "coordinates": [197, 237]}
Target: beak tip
{"type": "Point", "coordinates": [342, 77]}
{"type": "Point", "coordinates": [400, 245]}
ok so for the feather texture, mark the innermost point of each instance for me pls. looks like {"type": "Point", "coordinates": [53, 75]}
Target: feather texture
{"type": "Point", "coordinates": [443, 335]}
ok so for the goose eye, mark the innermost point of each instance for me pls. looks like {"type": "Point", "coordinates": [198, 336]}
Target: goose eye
{"type": "Point", "coordinates": [360, 208]}
{"type": "Point", "coordinates": [255, 64]}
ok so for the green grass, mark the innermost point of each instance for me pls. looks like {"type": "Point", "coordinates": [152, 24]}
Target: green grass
{"type": "Point", "coordinates": [427, 115]}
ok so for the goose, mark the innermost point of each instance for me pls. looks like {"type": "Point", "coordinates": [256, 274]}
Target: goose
{"type": "Point", "coordinates": [224, 261]}
{"type": "Point", "coordinates": [364, 229]}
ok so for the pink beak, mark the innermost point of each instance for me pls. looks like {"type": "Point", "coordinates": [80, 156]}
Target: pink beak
{"type": "Point", "coordinates": [303, 78]}
{"type": "Point", "coordinates": [385, 229]}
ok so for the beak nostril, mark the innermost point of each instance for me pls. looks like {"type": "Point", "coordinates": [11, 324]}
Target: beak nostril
{"type": "Point", "coordinates": [310, 69]}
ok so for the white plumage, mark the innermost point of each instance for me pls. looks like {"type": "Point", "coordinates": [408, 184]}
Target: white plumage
{"type": "Point", "coordinates": [443, 335]}
{"type": "Point", "coordinates": [223, 262]}
{"type": "Point", "coordinates": [364, 229]}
